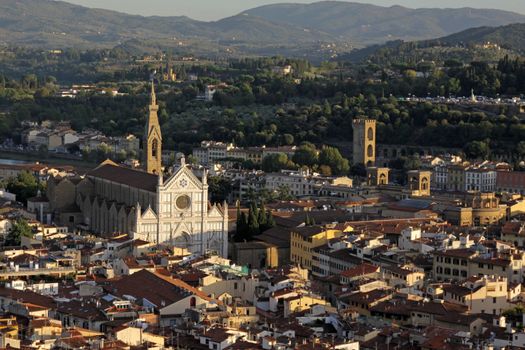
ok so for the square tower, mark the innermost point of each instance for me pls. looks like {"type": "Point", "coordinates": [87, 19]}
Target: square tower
{"type": "Point", "coordinates": [377, 176]}
{"type": "Point", "coordinates": [419, 180]}
{"type": "Point", "coordinates": [364, 144]}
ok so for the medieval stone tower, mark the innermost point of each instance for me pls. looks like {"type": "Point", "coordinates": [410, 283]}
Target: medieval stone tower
{"type": "Point", "coordinates": [152, 144]}
{"type": "Point", "coordinates": [364, 146]}
{"type": "Point", "coordinates": [419, 182]}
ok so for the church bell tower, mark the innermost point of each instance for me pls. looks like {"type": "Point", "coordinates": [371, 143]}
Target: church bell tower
{"type": "Point", "coordinates": [152, 144]}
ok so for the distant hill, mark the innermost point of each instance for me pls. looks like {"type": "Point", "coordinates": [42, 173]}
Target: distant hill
{"type": "Point", "coordinates": [511, 37]}
{"type": "Point", "coordinates": [56, 23]}
{"type": "Point", "coordinates": [281, 28]}
{"type": "Point", "coordinates": [468, 45]}
{"type": "Point", "coordinates": [369, 24]}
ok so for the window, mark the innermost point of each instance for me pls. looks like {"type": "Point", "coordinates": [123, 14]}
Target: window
{"type": "Point", "coordinates": [370, 134]}
{"type": "Point", "coordinates": [154, 148]}
{"type": "Point", "coordinates": [370, 151]}
{"type": "Point", "coordinates": [494, 300]}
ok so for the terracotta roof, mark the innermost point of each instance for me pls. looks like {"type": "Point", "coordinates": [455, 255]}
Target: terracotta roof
{"type": "Point", "coordinates": [126, 176]}
{"type": "Point", "coordinates": [217, 335]}
{"type": "Point", "coordinates": [360, 270]}
{"type": "Point", "coordinates": [309, 231]}
{"type": "Point", "coordinates": [155, 287]}
{"type": "Point", "coordinates": [27, 296]}
{"type": "Point", "coordinates": [457, 290]}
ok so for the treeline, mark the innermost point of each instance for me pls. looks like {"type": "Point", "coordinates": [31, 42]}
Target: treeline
{"type": "Point", "coordinates": [328, 161]}
{"type": "Point", "coordinates": [268, 109]}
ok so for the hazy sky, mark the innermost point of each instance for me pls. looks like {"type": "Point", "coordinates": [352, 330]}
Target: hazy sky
{"type": "Point", "coordinates": [216, 9]}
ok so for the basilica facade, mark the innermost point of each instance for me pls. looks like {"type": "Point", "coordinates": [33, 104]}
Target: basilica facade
{"type": "Point", "coordinates": [172, 210]}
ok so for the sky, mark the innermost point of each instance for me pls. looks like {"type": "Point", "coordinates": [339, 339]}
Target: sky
{"type": "Point", "coordinates": [217, 9]}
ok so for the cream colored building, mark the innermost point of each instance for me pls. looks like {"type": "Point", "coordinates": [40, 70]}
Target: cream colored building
{"type": "Point", "coordinates": [136, 336]}
{"type": "Point", "coordinates": [459, 264]}
{"type": "Point", "coordinates": [479, 294]}
{"type": "Point", "coordinates": [172, 210]}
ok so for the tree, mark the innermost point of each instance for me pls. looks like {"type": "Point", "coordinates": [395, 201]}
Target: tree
{"type": "Point", "coordinates": [325, 170]}
{"type": "Point", "coordinates": [220, 188]}
{"type": "Point", "coordinates": [253, 222]}
{"type": "Point", "coordinates": [241, 233]}
{"type": "Point", "coordinates": [270, 220]}
{"type": "Point", "coordinates": [477, 150]}
{"type": "Point", "coordinates": [330, 156]}
{"type": "Point", "coordinates": [412, 163]}
{"type": "Point", "coordinates": [20, 229]}
{"type": "Point", "coordinates": [284, 194]}
{"type": "Point", "coordinates": [275, 162]}
{"type": "Point", "coordinates": [306, 155]}
{"type": "Point", "coordinates": [288, 139]}
{"type": "Point", "coordinates": [520, 148]}
{"type": "Point", "coordinates": [24, 186]}
{"type": "Point", "coordinates": [261, 217]}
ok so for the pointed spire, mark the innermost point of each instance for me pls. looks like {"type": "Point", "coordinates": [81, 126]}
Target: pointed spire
{"type": "Point", "coordinates": [205, 176]}
{"type": "Point", "coordinates": [153, 96]}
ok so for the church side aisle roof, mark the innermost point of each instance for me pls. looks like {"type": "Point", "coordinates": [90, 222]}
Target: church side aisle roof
{"type": "Point", "coordinates": [126, 176]}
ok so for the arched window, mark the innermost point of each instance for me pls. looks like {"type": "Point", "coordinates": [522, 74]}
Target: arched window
{"type": "Point", "coordinates": [424, 183]}
{"type": "Point", "coordinates": [370, 151]}
{"type": "Point", "coordinates": [370, 134]}
{"type": "Point", "coordinates": [154, 148]}
{"type": "Point", "coordinates": [382, 179]}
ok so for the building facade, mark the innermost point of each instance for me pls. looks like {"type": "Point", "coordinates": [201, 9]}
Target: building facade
{"type": "Point", "coordinates": [364, 144]}
{"type": "Point", "coordinates": [172, 211]}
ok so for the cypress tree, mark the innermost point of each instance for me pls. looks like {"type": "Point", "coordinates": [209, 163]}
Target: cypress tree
{"type": "Point", "coordinates": [242, 228]}
{"type": "Point", "coordinates": [307, 221]}
{"type": "Point", "coordinates": [270, 220]}
{"type": "Point", "coordinates": [238, 215]}
{"type": "Point", "coordinates": [253, 223]}
{"type": "Point", "coordinates": [262, 217]}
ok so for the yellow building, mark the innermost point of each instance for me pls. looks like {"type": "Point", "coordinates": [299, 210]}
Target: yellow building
{"type": "Point", "coordinates": [419, 182]}
{"type": "Point", "coordinates": [9, 327]}
{"type": "Point", "coordinates": [304, 239]}
{"type": "Point", "coordinates": [478, 209]}
{"type": "Point", "coordinates": [300, 303]}
{"type": "Point", "coordinates": [377, 176]}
